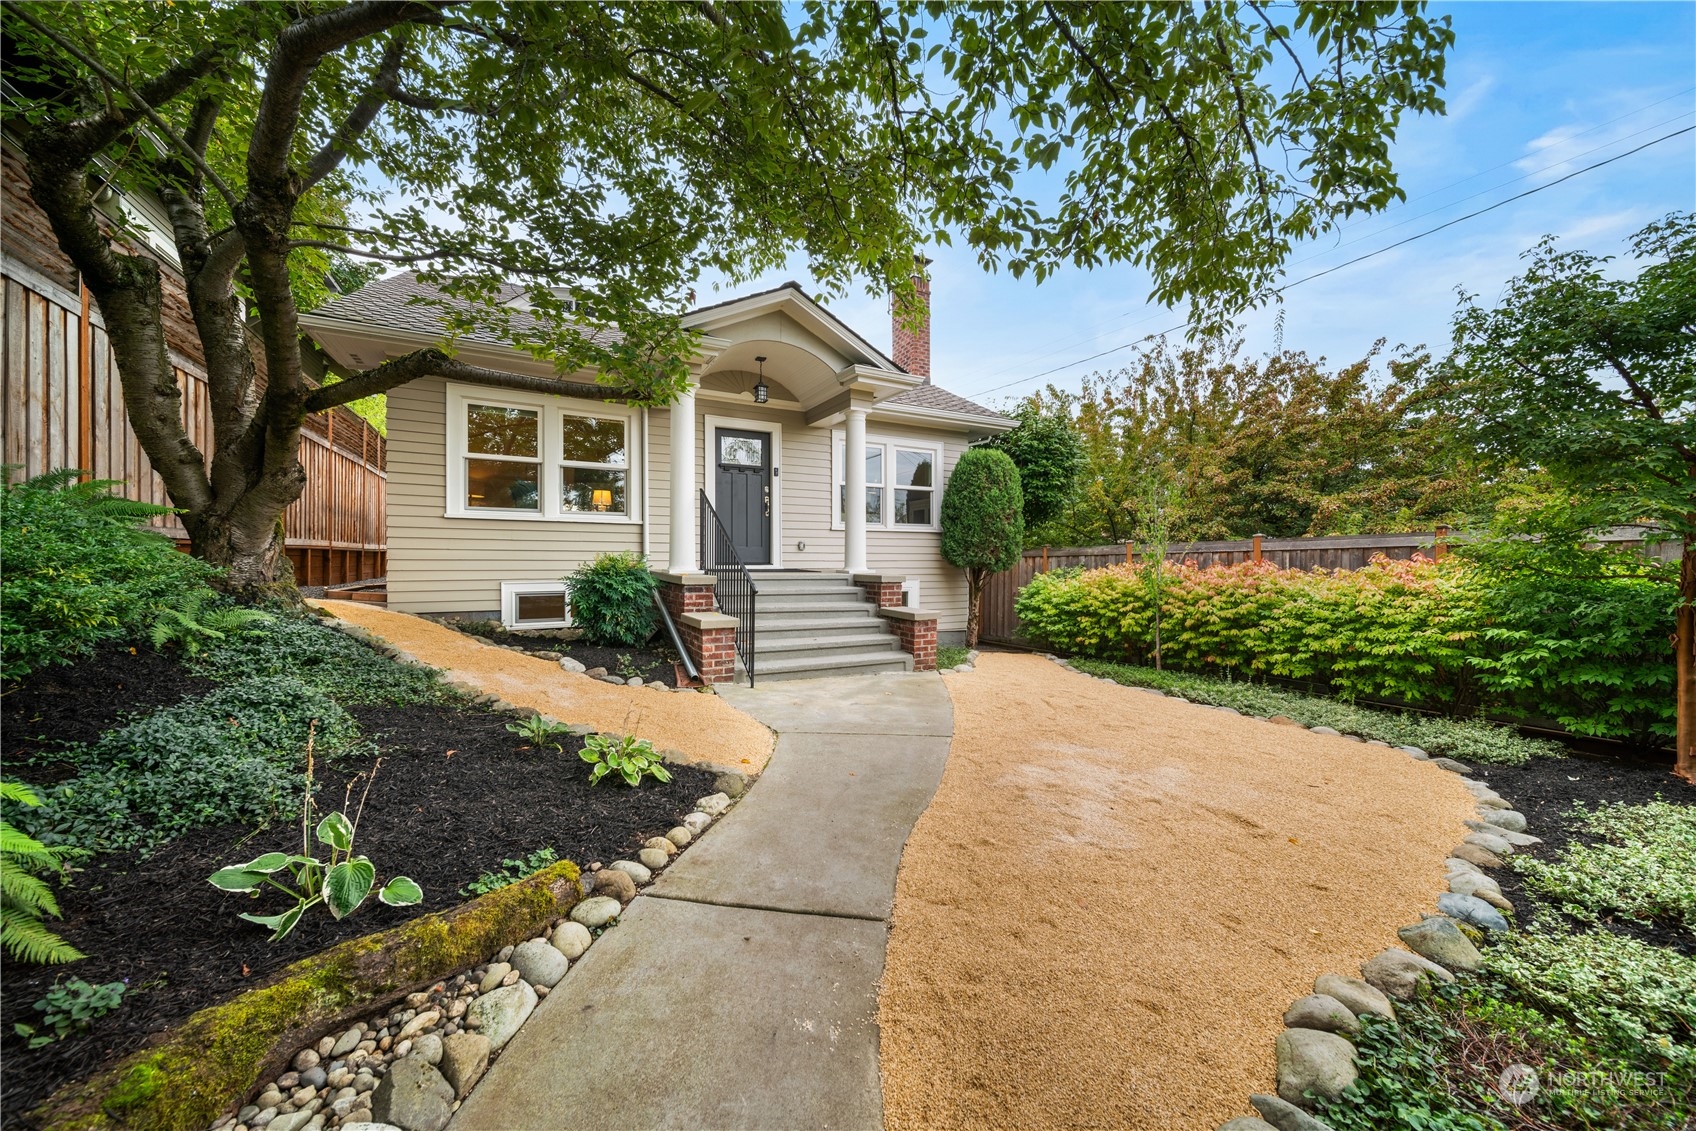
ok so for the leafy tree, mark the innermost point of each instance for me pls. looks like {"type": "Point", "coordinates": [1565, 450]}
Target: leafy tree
{"type": "Point", "coordinates": [1049, 455]}
{"type": "Point", "coordinates": [620, 150]}
{"type": "Point", "coordinates": [1281, 445]}
{"type": "Point", "coordinates": [983, 524]}
{"type": "Point", "coordinates": [1593, 377]}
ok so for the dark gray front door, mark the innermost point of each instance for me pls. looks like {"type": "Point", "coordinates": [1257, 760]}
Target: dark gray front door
{"type": "Point", "coordinates": [742, 491]}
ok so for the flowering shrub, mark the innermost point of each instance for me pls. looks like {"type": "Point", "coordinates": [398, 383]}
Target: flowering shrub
{"type": "Point", "coordinates": [1420, 632]}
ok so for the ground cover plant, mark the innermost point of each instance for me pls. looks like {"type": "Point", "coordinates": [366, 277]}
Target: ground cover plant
{"type": "Point", "coordinates": [1601, 1003]}
{"type": "Point", "coordinates": [511, 871]}
{"type": "Point", "coordinates": [1468, 740]}
{"type": "Point", "coordinates": [947, 657]}
{"type": "Point", "coordinates": [1440, 635]}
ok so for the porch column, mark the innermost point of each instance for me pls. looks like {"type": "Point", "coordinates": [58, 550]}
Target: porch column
{"type": "Point", "coordinates": [854, 507]}
{"type": "Point", "coordinates": [684, 504]}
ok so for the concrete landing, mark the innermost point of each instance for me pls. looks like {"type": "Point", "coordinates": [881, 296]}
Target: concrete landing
{"type": "Point", "coordinates": [740, 990]}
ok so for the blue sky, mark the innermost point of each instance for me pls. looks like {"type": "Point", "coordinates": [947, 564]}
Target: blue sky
{"type": "Point", "coordinates": [1535, 91]}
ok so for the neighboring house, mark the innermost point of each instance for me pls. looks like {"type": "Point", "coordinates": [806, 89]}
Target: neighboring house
{"type": "Point", "coordinates": [495, 495]}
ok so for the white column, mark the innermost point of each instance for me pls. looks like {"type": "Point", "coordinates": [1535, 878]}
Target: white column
{"type": "Point", "coordinates": [854, 507]}
{"type": "Point", "coordinates": [684, 503]}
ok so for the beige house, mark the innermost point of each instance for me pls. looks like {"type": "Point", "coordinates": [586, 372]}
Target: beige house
{"type": "Point", "coordinates": [494, 495]}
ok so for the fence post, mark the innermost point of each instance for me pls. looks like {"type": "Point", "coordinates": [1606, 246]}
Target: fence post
{"type": "Point", "coordinates": [1257, 539]}
{"type": "Point", "coordinates": [1441, 548]}
{"type": "Point", "coordinates": [1130, 554]}
{"type": "Point", "coordinates": [1045, 559]}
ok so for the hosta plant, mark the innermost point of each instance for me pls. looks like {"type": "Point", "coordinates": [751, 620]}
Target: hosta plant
{"type": "Point", "coordinates": [631, 758]}
{"type": "Point", "coordinates": [539, 732]}
{"type": "Point", "coordinates": [340, 882]}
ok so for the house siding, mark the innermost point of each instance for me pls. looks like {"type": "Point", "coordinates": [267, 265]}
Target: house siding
{"type": "Point", "coordinates": [455, 565]}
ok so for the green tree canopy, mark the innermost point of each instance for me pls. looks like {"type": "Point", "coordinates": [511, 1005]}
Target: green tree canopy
{"type": "Point", "coordinates": [1049, 454]}
{"type": "Point", "coordinates": [613, 153]}
{"type": "Point", "coordinates": [983, 524]}
{"type": "Point", "coordinates": [1590, 372]}
{"type": "Point", "coordinates": [1281, 445]}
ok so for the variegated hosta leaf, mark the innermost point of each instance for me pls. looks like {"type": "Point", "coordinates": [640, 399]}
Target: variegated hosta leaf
{"type": "Point", "coordinates": [402, 891]}
{"type": "Point", "coordinates": [270, 862]}
{"type": "Point", "coordinates": [281, 924]}
{"type": "Point", "coordinates": [238, 878]}
{"type": "Point", "coordinates": [336, 831]}
{"type": "Point", "coordinates": [347, 884]}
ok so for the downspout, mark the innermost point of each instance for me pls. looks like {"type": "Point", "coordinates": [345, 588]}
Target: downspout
{"type": "Point", "coordinates": [676, 640]}
{"type": "Point", "coordinates": [646, 504]}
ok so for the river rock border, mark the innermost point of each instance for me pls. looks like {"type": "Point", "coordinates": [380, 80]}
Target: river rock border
{"type": "Point", "coordinates": [970, 663]}
{"type": "Point", "coordinates": [1315, 1052]}
{"type": "Point", "coordinates": [410, 1068]}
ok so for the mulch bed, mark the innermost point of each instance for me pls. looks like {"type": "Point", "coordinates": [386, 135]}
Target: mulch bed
{"type": "Point", "coordinates": [651, 661]}
{"type": "Point", "coordinates": [1546, 789]}
{"type": "Point", "coordinates": [456, 794]}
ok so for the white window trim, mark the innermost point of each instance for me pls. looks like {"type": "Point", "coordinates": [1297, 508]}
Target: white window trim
{"type": "Point", "coordinates": [709, 472]}
{"type": "Point", "coordinates": [552, 411]}
{"type": "Point", "coordinates": [838, 446]}
{"type": "Point", "coordinates": [512, 590]}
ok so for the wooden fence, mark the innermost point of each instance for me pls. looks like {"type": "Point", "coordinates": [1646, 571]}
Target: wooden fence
{"type": "Point", "coordinates": [61, 405]}
{"type": "Point", "coordinates": [1353, 551]}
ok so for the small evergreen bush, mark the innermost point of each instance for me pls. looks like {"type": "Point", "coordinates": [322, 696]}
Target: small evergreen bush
{"type": "Point", "coordinates": [983, 524]}
{"type": "Point", "coordinates": [233, 755]}
{"type": "Point", "coordinates": [77, 569]}
{"type": "Point", "coordinates": [612, 600]}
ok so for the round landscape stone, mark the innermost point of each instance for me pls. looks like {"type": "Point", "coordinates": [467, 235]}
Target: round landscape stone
{"type": "Point", "coordinates": [713, 804]}
{"type": "Point", "coordinates": [499, 1013]}
{"type": "Point", "coordinates": [1510, 819]}
{"type": "Point", "coordinates": [413, 1095]}
{"type": "Point", "coordinates": [680, 836]}
{"type": "Point", "coordinates": [571, 939]}
{"type": "Point", "coordinates": [1442, 942]}
{"type": "Point", "coordinates": [1313, 1061]}
{"type": "Point", "coordinates": [596, 911]}
{"type": "Point", "coordinates": [652, 859]}
{"type": "Point", "coordinates": [539, 963]}
{"type": "Point", "coordinates": [1322, 1012]}
{"type": "Point", "coordinates": [1327, 731]}
{"type": "Point", "coordinates": [697, 822]}
{"type": "Point", "coordinates": [1490, 842]}
{"type": "Point", "coordinates": [1451, 765]}
{"type": "Point", "coordinates": [1472, 854]}
{"type": "Point", "coordinates": [616, 883]}
{"type": "Point", "coordinates": [632, 869]}
{"type": "Point", "coordinates": [1471, 909]}
{"type": "Point", "coordinates": [1285, 1116]}
{"type": "Point", "coordinates": [1360, 997]}
{"type": "Point", "coordinates": [571, 665]}
{"type": "Point", "coordinates": [662, 844]}
{"type": "Point", "coordinates": [1399, 974]}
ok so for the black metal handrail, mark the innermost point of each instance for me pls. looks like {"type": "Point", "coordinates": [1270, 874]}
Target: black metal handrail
{"type": "Point", "coordinates": [733, 585]}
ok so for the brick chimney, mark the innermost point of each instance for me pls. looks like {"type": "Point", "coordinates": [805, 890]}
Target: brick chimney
{"type": "Point", "coordinates": [911, 348]}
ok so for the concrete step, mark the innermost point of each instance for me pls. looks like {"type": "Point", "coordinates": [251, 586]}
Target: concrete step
{"type": "Point", "coordinates": [823, 645]}
{"type": "Point", "coordinates": [842, 663]}
{"type": "Point", "coordinates": [807, 604]}
{"type": "Point", "coordinates": [834, 598]}
{"type": "Point", "coordinates": [854, 620]}
{"type": "Point", "coordinates": [799, 586]}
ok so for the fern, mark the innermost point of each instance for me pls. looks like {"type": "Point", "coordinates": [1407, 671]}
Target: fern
{"type": "Point", "coordinates": [196, 619]}
{"type": "Point", "coordinates": [25, 897]}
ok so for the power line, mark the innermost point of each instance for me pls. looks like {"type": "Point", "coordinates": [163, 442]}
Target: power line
{"type": "Point", "coordinates": [1411, 201]}
{"type": "Point", "coordinates": [1355, 260]}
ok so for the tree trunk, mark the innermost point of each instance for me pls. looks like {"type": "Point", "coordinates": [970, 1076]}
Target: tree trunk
{"type": "Point", "coordinates": [1684, 645]}
{"type": "Point", "coordinates": [975, 579]}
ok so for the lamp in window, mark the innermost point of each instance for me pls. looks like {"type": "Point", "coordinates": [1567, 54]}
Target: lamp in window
{"type": "Point", "coordinates": [601, 499]}
{"type": "Point", "coordinates": [761, 392]}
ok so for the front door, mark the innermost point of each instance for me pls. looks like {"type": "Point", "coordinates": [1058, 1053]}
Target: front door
{"type": "Point", "coordinates": [742, 490]}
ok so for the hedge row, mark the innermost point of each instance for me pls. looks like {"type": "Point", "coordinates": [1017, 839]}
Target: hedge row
{"type": "Point", "coordinates": [1591, 653]}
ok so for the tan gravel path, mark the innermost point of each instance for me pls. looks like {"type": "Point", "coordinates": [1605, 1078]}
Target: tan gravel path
{"type": "Point", "coordinates": [1103, 914]}
{"type": "Point", "coordinates": [703, 727]}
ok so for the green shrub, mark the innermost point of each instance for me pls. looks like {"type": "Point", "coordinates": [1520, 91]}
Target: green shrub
{"type": "Point", "coordinates": [612, 600]}
{"type": "Point", "coordinates": [1645, 868]}
{"type": "Point", "coordinates": [233, 755]}
{"type": "Point", "coordinates": [332, 663]}
{"type": "Point", "coordinates": [24, 895]}
{"type": "Point", "coordinates": [983, 523]}
{"type": "Point", "coordinates": [1424, 633]}
{"type": "Point", "coordinates": [626, 756]}
{"type": "Point", "coordinates": [78, 569]}
{"type": "Point", "coordinates": [1469, 740]}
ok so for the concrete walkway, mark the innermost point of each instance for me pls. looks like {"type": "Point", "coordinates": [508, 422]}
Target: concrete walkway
{"type": "Point", "coordinates": [740, 990]}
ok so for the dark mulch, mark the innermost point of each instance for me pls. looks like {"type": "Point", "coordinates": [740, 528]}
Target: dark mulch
{"type": "Point", "coordinates": [1546, 789]}
{"type": "Point", "coordinates": [456, 794]}
{"type": "Point", "coordinates": [651, 661]}
{"type": "Point", "coordinates": [75, 704]}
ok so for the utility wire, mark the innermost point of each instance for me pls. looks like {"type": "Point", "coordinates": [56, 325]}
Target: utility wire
{"type": "Point", "coordinates": [1351, 262]}
{"type": "Point", "coordinates": [1424, 196]}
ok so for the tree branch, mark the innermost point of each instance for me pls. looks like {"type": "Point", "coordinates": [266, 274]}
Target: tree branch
{"type": "Point", "coordinates": [359, 119]}
{"type": "Point", "coordinates": [433, 362]}
{"type": "Point", "coordinates": [1284, 43]}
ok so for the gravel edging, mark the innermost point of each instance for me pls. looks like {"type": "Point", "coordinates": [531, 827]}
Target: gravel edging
{"type": "Point", "coordinates": [1315, 1055]}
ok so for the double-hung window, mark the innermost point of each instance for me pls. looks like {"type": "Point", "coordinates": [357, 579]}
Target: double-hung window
{"type": "Point", "coordinates": [903, 479]}
{"type": "Point", "coordinates": [512, 457]}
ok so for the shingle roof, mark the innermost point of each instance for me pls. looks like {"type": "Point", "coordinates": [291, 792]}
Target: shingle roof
{"type": "Point", "coordinates": [941, 400]}
{"type": "Point", "coordinates": [387, 302]}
